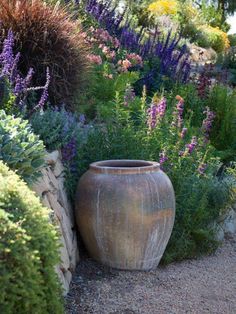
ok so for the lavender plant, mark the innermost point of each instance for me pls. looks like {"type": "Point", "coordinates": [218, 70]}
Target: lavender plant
{"type": "Point", "coordinates": [17, 86]}
{"type": "Point", "coordinates": [62, 130]}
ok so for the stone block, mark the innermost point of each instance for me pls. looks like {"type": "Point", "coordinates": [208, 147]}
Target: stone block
{"type": "Point", "coordinates": [52, 158]}
{"type": "Point", "coordinates": [58, 169]}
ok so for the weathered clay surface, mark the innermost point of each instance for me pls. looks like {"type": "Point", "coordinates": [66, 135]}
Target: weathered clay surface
{"type": "Point", "coordinates": [50, 188]}
{"type": "Point", "coordinates": [125, 212]}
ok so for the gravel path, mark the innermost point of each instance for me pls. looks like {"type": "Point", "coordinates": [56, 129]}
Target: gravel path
{"type": "Point", "coordinates": [206, 285]}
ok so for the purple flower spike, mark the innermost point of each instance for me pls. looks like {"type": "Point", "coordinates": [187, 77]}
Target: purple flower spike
{"type": "Point", "coordinates": [44, 96]}
{"type": "Point", "coordinates": [192, 145]}
{"type": "Point", "coordinates": [163, 159]}
{"type": "Point", "coordinates": [180, 110]}
{"type": "Point", "coordinates": [7, 56]}
{"type": "Point", "coordinates": [20, 85]}
{"type": "Point", "coordinates": [183, 132]}
{"type": "Point", "coordinates": [29, 77]}
{"type": "Point", "coordinates": [69, 150]}
{"type": "Point", "coordinates": [202, 168]}
{"type": "Point", "coordinates": [161, 108]}
{"type": "Point", "coordinates": [156, 112]}
{"type": "Point", "coordinates": [207, 123]}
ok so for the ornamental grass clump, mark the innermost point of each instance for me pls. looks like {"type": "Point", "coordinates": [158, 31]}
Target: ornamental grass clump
{"type": "Point", "coordinates": [46, 37]}
{"type": "Point", "coordinates": [29, 251]}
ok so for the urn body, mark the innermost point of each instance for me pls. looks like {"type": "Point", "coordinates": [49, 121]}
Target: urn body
{"type": "Point", "coordinates": [125, 213]}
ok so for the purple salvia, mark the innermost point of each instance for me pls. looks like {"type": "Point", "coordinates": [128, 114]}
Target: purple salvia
{"type": "Point", "coordinates": [174, 62]}
{"type": "Point", "coordinates": [163, 158]}
{"type": "Point", "coordinates": [202, 168]}
{"type": "Point", "coordinates": [69, 150]}
{"type": "Point", "coordinates": [183, 132]}
{"type": "Point", "coordinates": [29, 77]}
{"type": "Point", "coordinates": [156, 112]}
{"type": "Point", "coordinates": [19, 85]}
{"type": "Point", "coordinates": [9, 72]}
{"type": "Point", "coordinates": [14, 70]}
{"type": "Point", "coordinates": [207, 123]}
{"type": "Point", "coordinates": [161, 107]}
{"type": "Point", "coordinates": [190, 147]}
{"type": "Point", "coordinates": [44, 96]}
{"type": "Point", "coordinates": [180, 110]}
{"type": "Point", "coordinates": [7, 57]}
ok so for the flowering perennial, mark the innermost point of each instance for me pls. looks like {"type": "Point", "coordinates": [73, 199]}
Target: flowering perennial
{"type": "Point", "coordinates": [183, 132]}
{"type": "Point", "coordinates": [190, 147]}
{"type": "Point", "coordinates": [163, 7]}
{"type": "Point", "coordinates": [180, 110]}
{"type": "Point", "coordinates": [156, 112]}
{"type": "Point", "coordinates": [174, 61]}
{"type": "Point", "coordinates": [207, 123]}
{"type": "Point", "coordinates": [20, 86]}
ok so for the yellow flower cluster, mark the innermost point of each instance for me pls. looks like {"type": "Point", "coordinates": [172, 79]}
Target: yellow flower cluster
{"type": "Point", "coordinates": [218, 39]}
{"type": "Point", "coordinates": [223, 35]}
{"type": "Point", "coordinates": [163, 7]}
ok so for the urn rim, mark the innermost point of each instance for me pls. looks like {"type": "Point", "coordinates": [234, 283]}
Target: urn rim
{"type": "Point", "coordinates": [124, 166]}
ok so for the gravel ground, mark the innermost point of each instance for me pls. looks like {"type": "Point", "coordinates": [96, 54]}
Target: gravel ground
{"type": "Point", "coordinates": [206, 285]}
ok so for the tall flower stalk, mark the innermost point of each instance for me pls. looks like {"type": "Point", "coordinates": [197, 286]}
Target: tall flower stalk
{"type": "Point", "coordinates": [156, 112]}
{"type": "Point", "coordinates": [20, 86]}
{"type": "Point", "coordinates": [207, 124]}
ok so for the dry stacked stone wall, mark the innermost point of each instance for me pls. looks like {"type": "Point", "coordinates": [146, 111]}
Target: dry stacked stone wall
{"type": "Point", "coordinates": [50, 188]}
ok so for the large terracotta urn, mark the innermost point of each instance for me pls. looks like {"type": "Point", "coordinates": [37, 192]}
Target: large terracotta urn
{"type": "Point", "coordinates": [125, 213]}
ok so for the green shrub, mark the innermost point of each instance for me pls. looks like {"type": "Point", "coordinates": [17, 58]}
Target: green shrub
{"type": "Point", "coordinates": [222, 101]}
{"type": "Point", "coordinates": [20, 148]}
{"type": "Point", "coordinates": [213, 37]}
{"type": "Point", "coordinates": [232, 40]}
{"type": "Point", "coordinates": [28, 251]}
{"type": "Point", "coordinates": [228, 60]}
{"type": "Point", "coordinates": [199, 202]}
{"type": "Point", "coordinates": [213, 16]}
{"type": "Point", "coordinates": [189, 19]}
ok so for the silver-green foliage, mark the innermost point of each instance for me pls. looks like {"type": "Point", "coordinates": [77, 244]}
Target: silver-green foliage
{"type": "Point", "coordinates": [20, 148]}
